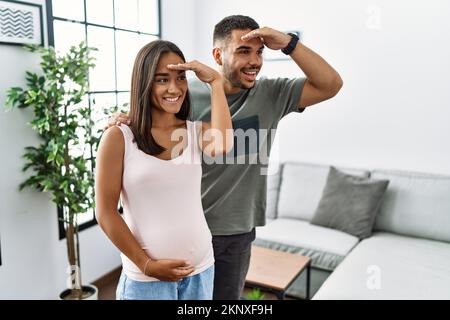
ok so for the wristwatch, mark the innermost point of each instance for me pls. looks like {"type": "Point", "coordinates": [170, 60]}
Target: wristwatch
{"type": "Point", "coordinates": [291, 45]}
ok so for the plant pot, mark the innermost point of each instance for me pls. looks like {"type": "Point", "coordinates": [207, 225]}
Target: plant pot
{"type": "Point", "coordinates": [90, 292]}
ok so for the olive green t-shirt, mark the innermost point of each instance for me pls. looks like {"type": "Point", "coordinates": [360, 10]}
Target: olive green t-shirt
{"type": "Point", "coordinates": [234, 186]}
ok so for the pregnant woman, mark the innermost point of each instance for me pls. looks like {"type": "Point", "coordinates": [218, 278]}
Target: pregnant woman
{"type": "Point", "coordinates": [154, 165]}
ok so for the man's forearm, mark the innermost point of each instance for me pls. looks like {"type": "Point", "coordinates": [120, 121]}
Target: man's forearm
{"type": "Point", "coordinates": [221, 119]}
{"type": "Point", "coordinates": [318, 72]}
{"type": "Point", "coordinates": [323, 81]}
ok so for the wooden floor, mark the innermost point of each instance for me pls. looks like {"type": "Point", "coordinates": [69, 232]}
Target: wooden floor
{"type": "Point", "coordinates": [107, 287]}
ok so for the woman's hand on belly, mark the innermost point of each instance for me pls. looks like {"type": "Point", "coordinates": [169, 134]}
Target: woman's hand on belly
{"type": "Point", "coordinates": [169, 270]}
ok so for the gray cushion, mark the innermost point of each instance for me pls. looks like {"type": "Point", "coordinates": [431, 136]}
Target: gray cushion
{"type": "Point", "coordinates": [349, 203]}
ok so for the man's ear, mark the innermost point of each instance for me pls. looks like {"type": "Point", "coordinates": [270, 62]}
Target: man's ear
{"type": "Point", "coordinates": [217, 54]}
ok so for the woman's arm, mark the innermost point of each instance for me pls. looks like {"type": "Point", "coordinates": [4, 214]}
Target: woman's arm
{"type": "Point", "coordinates": [109, 169]}
{"type": "Point", "coordinates": [216, 137]}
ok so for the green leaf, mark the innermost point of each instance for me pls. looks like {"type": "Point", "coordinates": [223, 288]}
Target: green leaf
{"type": "Point", "coordinates": [255, 294]}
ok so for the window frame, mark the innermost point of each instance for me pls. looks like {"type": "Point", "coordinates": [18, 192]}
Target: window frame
{"type": "Point", "coordinates": [51, 42]}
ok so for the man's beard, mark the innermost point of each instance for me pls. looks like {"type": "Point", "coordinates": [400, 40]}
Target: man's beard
{"type": "Point", "coordinates": [234, 78]}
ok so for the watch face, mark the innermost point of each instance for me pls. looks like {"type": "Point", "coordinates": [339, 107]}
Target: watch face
{"type": "Point", "coordinates": [291, 46]}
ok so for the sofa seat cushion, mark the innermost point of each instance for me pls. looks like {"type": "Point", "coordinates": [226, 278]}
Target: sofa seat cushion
{"type": "Point", "coordinates": [389, 266]}
{"type": "Point", "coordinates": [326, 247]}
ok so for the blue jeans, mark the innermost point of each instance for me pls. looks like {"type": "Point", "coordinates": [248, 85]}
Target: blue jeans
{"type": "Point", "coordinates": [197, 287]}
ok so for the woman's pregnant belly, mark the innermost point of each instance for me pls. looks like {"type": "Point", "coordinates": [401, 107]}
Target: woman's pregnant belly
{"type": "Point", "coordinates": [185, 238]}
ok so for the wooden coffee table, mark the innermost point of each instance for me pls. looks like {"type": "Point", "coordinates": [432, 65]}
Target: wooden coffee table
{"type": "Point", "coordinates": [275, 271]}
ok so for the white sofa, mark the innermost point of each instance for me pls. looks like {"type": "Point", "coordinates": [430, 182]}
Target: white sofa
{"type": "Point", "coordinates": [407, 257]}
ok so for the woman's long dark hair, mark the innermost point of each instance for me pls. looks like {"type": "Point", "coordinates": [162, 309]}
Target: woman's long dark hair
{"type": "Point", "coordinates": [141, 94]}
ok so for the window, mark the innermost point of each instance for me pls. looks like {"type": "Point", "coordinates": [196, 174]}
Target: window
{"type": "Point", "coordinates": [118, 29]}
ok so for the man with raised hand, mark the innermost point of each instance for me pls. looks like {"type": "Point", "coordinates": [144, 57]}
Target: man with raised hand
{"type": "Point", "coordinates": [234, 192]}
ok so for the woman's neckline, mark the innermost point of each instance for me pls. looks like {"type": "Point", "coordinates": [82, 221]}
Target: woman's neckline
{"type": "Point", "coordinates": [186, 127]}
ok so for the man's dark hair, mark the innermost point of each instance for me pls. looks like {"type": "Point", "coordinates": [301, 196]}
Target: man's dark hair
{"type": "Point", "coordinates": [222, 30]}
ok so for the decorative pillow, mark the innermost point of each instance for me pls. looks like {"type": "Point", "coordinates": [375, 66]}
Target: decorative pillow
{"type": "Point", "coordinates": [349, 203]}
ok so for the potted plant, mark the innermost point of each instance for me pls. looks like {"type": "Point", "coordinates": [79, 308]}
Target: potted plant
{"type": "Point", "coordinates": [59, 165]}
{"type": "Point", "coordinates": [255, 294]}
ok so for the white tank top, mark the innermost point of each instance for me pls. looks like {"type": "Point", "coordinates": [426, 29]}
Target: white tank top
{"type": "Point", "coordinates": [162, 205]}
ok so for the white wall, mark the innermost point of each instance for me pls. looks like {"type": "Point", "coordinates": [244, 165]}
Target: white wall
{"type": "Point", "coordinates": [394, 107]}
{"type": "Point", "coordinates": [33, 258]}
{"type": "Point", "coordinates": [179, 25]}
